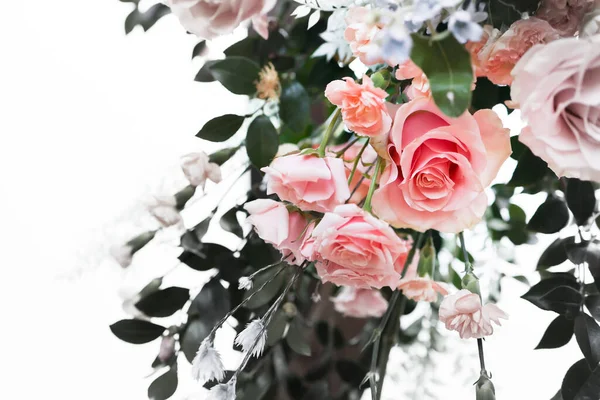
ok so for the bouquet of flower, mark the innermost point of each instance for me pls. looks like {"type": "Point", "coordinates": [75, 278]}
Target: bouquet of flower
{"type": "Point", "coordinates": [369, 149]}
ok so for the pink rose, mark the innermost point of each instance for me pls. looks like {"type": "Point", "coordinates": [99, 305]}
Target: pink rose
{"type": "Point", "coordinates": [360, 31]}
{"type": "Point", "coordinates": [420, 288]}
{"type": "Point", "coordinates": [208, 19]}
{"type": "Point", "coordinates": [354, 248]}
{"type": "Point", "coordinates": [498, 57]}
{"type": "Point", "coordinates": [419, 86]}
{"type": "Point", "coordinates": [464, 313]}
{"type": "Point", "coordinates": [363, 106]}
{"type": "Point", "coordinates": [565, 16]}
{"type": "Point", "coordinates": [276, 225]}
{"type": "Point", "coordinates": [309, 182]}
{"type": "Point", "coordinates": [197, 168]}
{"type": "Point", "coordinates": [490, 36]}
{"type": "Point", "coordinates": [359, 303]}
{"type": "Point", "coordinates": [557, 87]}
{"type": "Point", "coordinates": [439, 167]}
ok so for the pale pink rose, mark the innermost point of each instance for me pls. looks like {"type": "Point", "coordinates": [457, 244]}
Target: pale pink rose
{"type": "Point", "coordinates": [565, 16]}
{"type": "Point", "coordinates": [557, 86]}
{"type": "Point", "coordinates": [276, 225]}
{"type": "Point", "coordinates": [359, 186]}
{"type": "Point", "coordinates": [498, 57]}
{"type": "Point", "coordinates": [354, 248]}
{"type": "Point", "coordinates": [363, 106]}
{"type": "Point", "coordinates": [419, 86]}
{"type": "Point", "coordinates": [197, 168]}
{"type": "Point", "coordinates": [209, 19]}
{"type": "Point", "coordinates": [489, 37]}
{"type": "Point", "coordinates": [164, 209]}
{"type": "Point", "coordinates": [359, 303]}
{"type": "Point", "coordinates": [439, 167]}
{"type": "Point", "coordinates": [311, 183]}
{"type": "Point", "coordinates": [420, 288]}
{"type": "Point", "coordinates": [360, 31]}
{"type": "Point", "coordinates": [464, 313]}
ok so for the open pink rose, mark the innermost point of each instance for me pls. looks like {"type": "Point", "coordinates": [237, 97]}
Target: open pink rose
{"type": "Point", "coordinates": [419, 86]}
{"type": "Point", "coordinates": [209, 19]}
{"type": "Point", "coordinates": [464, 313]}
{"type": "Point", "coordinates": [420, 288]}
{"type": "Point", "coordinates": [500, 54]}
{"type": "Point", "coordinates": [439, 167]}
{"type": "Point", "coordinates": [565, 16]}
{"type": "Point", "coordinates": [363, 105]}
{"type": "Point", "coordinates": [276, 225]}
{"type": "Point", "coordinates": [360, 31]}
{"type": "Point", "coordinates": [354, 248]}
{"type": "Point", "coordinates": [359, 303]}
{"type": "Point", "coordinates": [557, 86]}
{"type": "Point", "coordinates": [311, 183]}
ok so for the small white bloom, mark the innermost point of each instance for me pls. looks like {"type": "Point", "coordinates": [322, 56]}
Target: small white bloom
{"type": "Point", "coordinates": [313, 19]}
{"type": "Point", "coordinates": [315, 297]}
{"type": "Point", "coordinates": [464, 24]}
{"type": "Point", "coordinates": [198, 168]}
{"type": "Point", "coordinates": [245, 283]}
{"type": "Point", "coordinates": [163, 208]}
{"type": "Point", "coordinates": [123, 254]}
{"type": "Point", "coordinates": [255, 332]}
{"type": "Point", "coordinates": [207, 364]}
{"type": "Point", "coordinates": [223, 391]}
{"type": "Point", "coordinates": [301, 11]}
{"type": "Point", "coordinates": [396, 44]}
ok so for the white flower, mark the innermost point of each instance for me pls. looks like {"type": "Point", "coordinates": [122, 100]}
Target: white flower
{"type": "Point", "coordinates": [163, 208]}
{"type": "Point", "coordinates": [245, 283]}
{"type": "Point", "coordinates": [198, 168]}
{"type": "Point", "coordinates": [464, 24]}
{"type": "Point", "coordinates": [315, 297]}
{"type": "Point", "coordinates": [223, 391]}
{"type": "Point", "coordinates": [395, 46]}
{"type": "Point", "coordinates": [591, 24]}
{"type": "Point", "coordinates": [123, 254]}
{"type": "Point", "coordinates": [207, 364]}
{"type": "Point", "coordinates": [255, 332]}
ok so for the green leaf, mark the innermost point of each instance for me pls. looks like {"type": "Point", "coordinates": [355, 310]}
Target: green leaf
{"type": "Point", "coordinates": [296, 338]}
{"type": "Point", "coordinates": [558, 334]}
{"type": "Point", "coordinates": [195, 332]}
{"type": "Point", "coordinates": [322, 329]}
{"type": "Point", "coordinates": [382, 78]}
{"type": "Point", "coordinates": [237, 74]}
{"type": "Point", "coordinates": [550, 217]}
{"type": "Point", "coordinates": [518, 148]}
{"type": "Point", "coordinates": [581, 199]}
{"type": "Point", "coordinates": [427, 259]}
{"type": "Point", "coordinates": [504, 12]}
{"type": "Point", "coordinates": [221, 128]}
{"type": "Point", "coordinates": [559, 293]}
{"type": "Point", "coordinates": [592, 302]}
{"type": "Point", "coordinates": [145, 19]}
{"type": "Point", "coordinates": [204, 75]}
{"type": "Point", "coordinates": [350, 372]}
{"type": "Point", "coordinates": [587, 333]}
{"type": "Point", "coordinates": [164, 386]}
{"type": "Point", "coordinates": [212, 303]}
{"type": "Point", "coordinates": [487, 94]}
{"type": "Point", "coordinates": [164, 302]}
{"type": "Point", "coordinates": [580, 382]}
{"type": "Point", "coordinates": [530, 170]}
{"type": "Point", "coordinates": [447, 65]}
{"type": "Point", "coordinates": [276, 327]}
{"type": "Point", "coordinates": [220, 157]}
{"type": "Point", "coordinates": [262, 141]}
{"type": "Point", "coordinates": [229, 222]}
{"type": "Point", "coordinates": [265, 295]}
{"type": "Point", "coordinates": [136, 331]}
{"type": "Point", "coordinates": [555, 254]}
{"type": "Point", "coordinates": [183, 196]}
{"type": "Point", "coordinates": [199, 49]}
{"type": "Point", "coordinates": [294, 106]}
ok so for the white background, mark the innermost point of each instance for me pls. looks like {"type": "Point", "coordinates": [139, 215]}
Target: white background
{"type": "Point", "coordinates": [91, 122]}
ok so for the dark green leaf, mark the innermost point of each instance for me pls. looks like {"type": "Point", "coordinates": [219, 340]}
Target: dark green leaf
{"type": "Point", "coordinates": [587, 252]}
{"type": "Point", "coordinates": [296, 338]}
{"type": "Point", "coordinates": [262, 141]}
{"type": "Point", "coordinates": [516, 214]}
{"type": "Point", "coordinates": [164, 302]}
{"type": "Point", "coordinates": [319, 372]}
{"type": "Point", "coordinates": [581, 199]}
{"type": "Point", "coordinates": [146, 19]}
{"type": "Point", "coordinates": [195, 332]}
{"type": "Point", "coordinates": [183, 196]}
{"type": "Point", "coordinates": [230, 223]}
{"type": "Point", "coordinates": [558, 293]}
{"type": "Point", "coordinates": [518, 148]}
{"type": "Point", "coordinates": [244, 48]}
{"type": "Point", "coordinates": [221, 128]}
{"type": "Point", "coordinates": [581, 383]}
{"type": "Point", "coordinates": [265, 295]}
{"type": "Point", "coordinates": [294, 106]}
{"type": "Point", "coordinates": [558, 334]}
{"type": "Point", "coordinates": [164, 386]}
{"type": "Point", "coordinates": [276, 327]}
{"type": "Point", "coordinates": [324, 331]}
{"type": "Point", "coordinates": [550, 217]}
{"type": "Point", "coordinates": [199, 48]}
{"type": "Point", "coordinates": [212, 303]}
{"type": "Point", "coordinates": [237, 74]}
{"type": "Point", "coordinates": [487, 94]}
{"type": "Point", "coordinates": [204, 75]}
{"type": "Point", "coordinates": [530, 170]}
{"type": "Point", "coordinates": [136, 331]}
{"type": "Point", "coordinates": [555, 254]}
{"type": "Point", "coordinates": [222, 156]}
{"type": "Point", "coordinates": [504, 12]}
{"type": "Point", "coordinates": [382, 78]}
{"type": "Point", "coordinates": [447, 65]}
{"type": "Point", "coordinates": [350, 372]}
{"type": "Point", "coordinates": [587, 333]}
{"type": "Point", "coordinates": [592, 302]}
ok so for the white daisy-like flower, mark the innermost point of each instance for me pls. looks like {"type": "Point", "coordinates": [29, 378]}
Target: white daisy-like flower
{"type": "Point", "coordinates": [207, 364]}
{"type": "Point", "coordinates": [223, 391]}
{"type": "Point", "coordinates": [245, 283]}
{"type": "Point", "coordinates": [255, 332]}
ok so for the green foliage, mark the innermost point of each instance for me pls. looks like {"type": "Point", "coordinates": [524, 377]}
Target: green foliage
{"type": "Point", "coordinates": [504, 12]}
{"type": "Point", "coordinates": [559, 293]}
{"type": "Point", "coordinates": [558, 334]}
{"type": "Point", "coordinates": [294, 106]}
{"type": "Point", "coordinates": [550, 217]}
{"type": "Point", "coordinates": [164, 386]}
{"type": "Point", "coordinates": [587, 333]}
{"type": "Point", "coordinates": [487, 95]}
{"type": "Point", "coordinates": [237, 74]}
{"type": "Point", "coordinates": [221, 128]}
{"type": "Point", "coordinates": [229, 222]}
{"type": "Point", "coordinates": [296, 338]}
{"type": "Point", "coordinates": [164, 303]}
{"type": "Point", "coordinates": [145, 19]}
{"type": "Point", "coordinates": [581, 200]}
{"type": "Point", "coordinates": [136, 331]}
{"type": "Point", "coordinates": [262, 141]}
{"type": "Point", "coordinates": [581, 382]}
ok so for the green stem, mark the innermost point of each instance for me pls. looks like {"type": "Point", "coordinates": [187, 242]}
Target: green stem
{"type": "Point", "coordinates": [378, 166]}
{"type": "Point", "coordinates": [350, 144]}
{"type": "Point", "coordinates": [356, 161]}
{"type": "Point", "coordinates": [328, 132]}
{"type": "Point", "coordinates": [468, 266]}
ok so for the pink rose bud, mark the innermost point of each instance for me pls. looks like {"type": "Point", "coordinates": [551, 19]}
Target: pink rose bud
{"type": "Point", "coordinates": [198, 168]}
{"type": "Point", "coordinates": [310, 183]}
{"type": "Point", "coordinates": [167, 348]}
{"type": "Point", "coordinates": [363, 106]}
{"type": "Point", "coordinates": [464, 313]}
{"type": "Point", "coordinates": [419, 288]}
{"type": "Point", "coordinates": [360, 303]}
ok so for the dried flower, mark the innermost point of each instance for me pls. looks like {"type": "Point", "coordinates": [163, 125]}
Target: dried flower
{"type": "Point", "coordinates": [268, 86]}
{"type": "Point", "coordinates": [207, 364]}
{"type": "Point", "coordinates": [245, 283]}
{"type": "Point", "coordinates": [253, 338]}
{"type": "Point", "coordinates": [223, 391]}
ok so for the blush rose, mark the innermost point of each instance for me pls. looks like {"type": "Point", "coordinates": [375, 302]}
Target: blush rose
{"type": "Point", "coordinates": [359, 303]}
{"type": "Point", "coordinates": [420, 288]}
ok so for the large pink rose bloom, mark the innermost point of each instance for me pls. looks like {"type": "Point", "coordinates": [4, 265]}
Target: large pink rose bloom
{"type": "Point", "coordinates": [277, 226]}
{"type": "Point", "coordinates": [209, 19]}
{"type": "Point", "coordinates": [311, 183]}
{"type": "Point", "coordinates": [558, 89]}
{"type": "Point", "coordinates": [439, 167]}
{"type": "Point", "coordinates": [363, 106]}
{"type": "Point", "coordinates": [499, 55]}
{"type": "Point", "coordinates": [464, 313]}
{"type": "Point", "coordinates": [565, 16]}
{"type": "Point", "coordinates": [360, 303]}
{"type": "Point", "coordinates": [420, 288]}
{"type": "Point", "coordinates": [354, 248]}
{"type": "Point", "coordinates": [359, 33]}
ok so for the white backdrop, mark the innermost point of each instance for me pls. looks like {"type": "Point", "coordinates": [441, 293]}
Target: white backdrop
{"type": "Point", "coordinates": [84, 138]}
